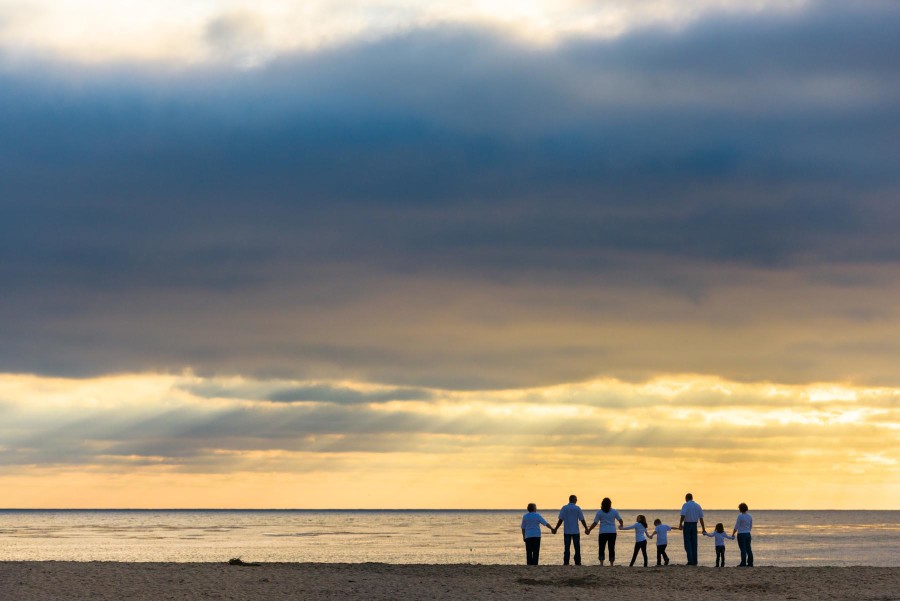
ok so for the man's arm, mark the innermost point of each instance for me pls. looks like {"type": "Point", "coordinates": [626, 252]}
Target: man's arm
{"type": "Point", "coordinates": [523, 533]}
{"type": "Point", "coordinates": [702, 525]}
{"type": "Point", "coordinates": [591, 527]}
{"type": "Point", "coordinates": [558, 524]}
{"type": "Point", "coordinates": [681, 522]}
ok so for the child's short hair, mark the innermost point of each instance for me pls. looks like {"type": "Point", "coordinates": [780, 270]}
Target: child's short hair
{"type": "Point", "coordinates": [742, 508]}
{"type": "Point", "coordinates": [657, 522]}
{"type": "Point", "coordinates": [720, 527]}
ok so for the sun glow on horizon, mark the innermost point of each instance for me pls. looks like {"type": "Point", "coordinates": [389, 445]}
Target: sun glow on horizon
{"type": "Point", "coordinates": [119, 436]}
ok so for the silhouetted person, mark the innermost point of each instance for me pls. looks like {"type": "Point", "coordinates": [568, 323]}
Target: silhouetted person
{"type": "Point", "coordinates": [606, 517]}
{"type": "Point", "coordinates": [720, 536]}
{"type": "Point", "coordinates": [570, 515]}
{"type": "Point", "coordinates": [742, 528]}
{"type": "Point", "coordinates": [531, 534]}
{"type": "Point", "coordinates": [640, 538]}
{"type": "Point", "coordinates": [691, 513]}
{"type": "Point", "coordinates": [661, 532]}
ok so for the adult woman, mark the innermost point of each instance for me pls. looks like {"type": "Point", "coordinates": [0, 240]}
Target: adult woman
{"type": "Point", "coordinates": [607, 517]}
{"type": "Point", "coordinates": [531, 534]}
{"type": "Point", "coordinates": [742, 527]}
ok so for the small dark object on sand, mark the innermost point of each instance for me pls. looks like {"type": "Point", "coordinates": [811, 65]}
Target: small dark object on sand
{"type": "Point", "coordinates": [236, 561]}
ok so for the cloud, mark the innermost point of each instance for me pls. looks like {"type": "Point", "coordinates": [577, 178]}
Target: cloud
{"type": "Point", "coordinates": [238, 37]}
{"type": "Point", "coordinates": [286, 392]}
{"type": "Point", "coordinates": [449, 207]}
{"type": "Point", "coordinates": [180, 32]}
{"type": "Point", "coordinates": [110, 440]}
{"type": "Point", "coordinates": [197, 424]}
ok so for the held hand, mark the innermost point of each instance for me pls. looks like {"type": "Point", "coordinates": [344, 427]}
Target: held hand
{"type": "Point", "coordinates": [587, 531]}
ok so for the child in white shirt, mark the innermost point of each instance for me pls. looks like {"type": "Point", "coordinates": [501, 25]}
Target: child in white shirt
{"type": "Point", "coordinates": [661, 532]}
{"type": "Point", "coordinates": [640, 538]}
{"type": "Point", "coordinates": [720, 537]}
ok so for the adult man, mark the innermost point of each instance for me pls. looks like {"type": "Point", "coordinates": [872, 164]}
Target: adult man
{"type": "Point", "coordinates": [691, 513]}
{"type": "Point", "coordinates": [570, 515]}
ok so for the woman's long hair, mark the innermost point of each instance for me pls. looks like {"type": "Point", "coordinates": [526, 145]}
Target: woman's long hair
{"type": "Point", "coordinates": [643, 521]}
{"type": "Point", "coordinates": [605, 505]}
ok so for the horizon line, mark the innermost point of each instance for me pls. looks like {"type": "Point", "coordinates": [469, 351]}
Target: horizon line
{"type": "Point", "coordinates": [420, 509]}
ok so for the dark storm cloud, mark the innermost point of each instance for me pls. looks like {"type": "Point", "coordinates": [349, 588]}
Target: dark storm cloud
{"type": "Point", "coordinates": [293, 219]}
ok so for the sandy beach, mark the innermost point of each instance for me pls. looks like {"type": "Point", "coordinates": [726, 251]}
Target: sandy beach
{"type": "Point", "coordinates": [27, 581]}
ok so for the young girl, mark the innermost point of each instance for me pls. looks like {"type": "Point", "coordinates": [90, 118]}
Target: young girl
{"type": "Point", "coordinates": [720, 537]}
{"type": "Point", "coordinates": [640, 538]}
{"type": "Point", "coordinates": [661, 532]}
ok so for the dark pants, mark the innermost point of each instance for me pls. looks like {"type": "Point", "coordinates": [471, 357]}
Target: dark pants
{"type": "Point", "coordinates": [661, 554]}
{"type": "Point", "coordinates": [532, 550]}
{"type": "Point", "coordinates": [642, 547]}
{"type": "Point", "coordinates": [720, 556]}
{"type": "Point", "coordinates": [743, 540]}
{"type": "Point", "coordinates": [573, 539]}
{"type": "Point", "coordinates": [690, 542]}
{"type": "Point", "coordinates": [608, 539]}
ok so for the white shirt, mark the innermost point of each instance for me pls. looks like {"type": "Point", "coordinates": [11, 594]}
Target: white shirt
{"type": "Point", "coordinates": [531, 523]}
{"type": "Point", "coordinates": [744, 523]}
{"type": "Point", "coordinates": [662, 534]}
{"type": "Point", "coordinates": [720, 537]}
{"type": "Point", "coordinates": [639, 531]}
{"type": "Point", "coordinates": [570, 515]}
{"type": "Point", "coordinates": [607, 520]}
{"type": "Point", "coordinates": [691, 511]}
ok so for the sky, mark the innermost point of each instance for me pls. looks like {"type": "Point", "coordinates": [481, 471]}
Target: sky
{"type": "Point", "coordinates": [464, 254]}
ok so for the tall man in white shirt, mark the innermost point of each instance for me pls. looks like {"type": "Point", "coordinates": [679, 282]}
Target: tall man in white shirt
{"type": "Point", "coordinates": [691, 513]}
{"type": "Point", "coordinates": [570, 515]}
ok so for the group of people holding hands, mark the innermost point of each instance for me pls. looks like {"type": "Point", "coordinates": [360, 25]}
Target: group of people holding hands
{"type": "Point", "coordinates": [607, 518]}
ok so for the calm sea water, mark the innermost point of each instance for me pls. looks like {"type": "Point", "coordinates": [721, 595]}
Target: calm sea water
{"type": "Point", "coordinates": [784, 538]}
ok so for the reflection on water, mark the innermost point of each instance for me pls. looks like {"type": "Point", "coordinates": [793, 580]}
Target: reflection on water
{"type": "Point", "coordinates": [787, 538]}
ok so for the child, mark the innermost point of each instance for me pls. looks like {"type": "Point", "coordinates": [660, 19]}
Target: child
{"type": "Point", "coordinates": [661, 531]}
{"type": "Point", "coordinates": [640, 538]}
{"type": "Point", "coordinates": [720, 537]}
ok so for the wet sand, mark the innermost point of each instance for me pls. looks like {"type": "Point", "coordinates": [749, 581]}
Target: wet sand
{"type": "Point", "coordinates": [27, 581]}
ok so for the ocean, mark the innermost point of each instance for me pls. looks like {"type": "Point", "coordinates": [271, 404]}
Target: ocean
{"type": "Point", "coordinates": [782, 538]}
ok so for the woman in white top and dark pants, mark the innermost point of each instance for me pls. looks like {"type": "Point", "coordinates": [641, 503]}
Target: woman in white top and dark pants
{"type": "Point", "coordinates": [607, 518]}
{"type": "Point", "coordinates": [742, 528]}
